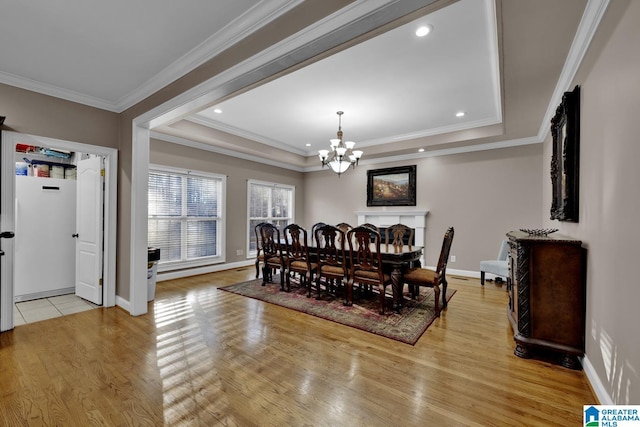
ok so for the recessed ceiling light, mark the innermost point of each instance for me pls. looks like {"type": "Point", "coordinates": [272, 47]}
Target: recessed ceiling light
{"type": "Point", "coordinates": [460, 114]}
{"type": "Point", "coordinates": [420, 150]}
{"type": "Point", "coordinates": [424, 30]}
{"type": "Point", "coordinates": [217, 111]}
{"type": "Point", "coordinates": [308, 145]}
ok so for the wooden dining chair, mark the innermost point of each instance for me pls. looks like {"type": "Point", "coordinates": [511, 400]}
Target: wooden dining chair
{"type": "Point", "coordinates": [416, 277]}
{"type": "Point", "coordinates": [366, 263]}
{"type": "Point", "coordinates": [296, 256]}
{"type": "Point", "coordinates": [332, 263]}
{"type": "Point", "coordinates": [271, 251]}
{"type": "Point", "coordinates": [259, 254]}
{"type": "Point", "coordinates": [345, 229]}
{"type": "Point", "coordinates": [314, 227]}
{"type": "Point", "coordinates": [397, 234]}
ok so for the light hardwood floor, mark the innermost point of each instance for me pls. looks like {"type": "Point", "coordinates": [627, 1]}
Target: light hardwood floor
{"type": "Point", "coordinates": [204, 357]}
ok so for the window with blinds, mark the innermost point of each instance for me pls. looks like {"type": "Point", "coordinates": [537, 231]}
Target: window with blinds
{"type": "Point", "coordinates": [268, 202]}
{"type": "Point", "coordinates": [185, 217]}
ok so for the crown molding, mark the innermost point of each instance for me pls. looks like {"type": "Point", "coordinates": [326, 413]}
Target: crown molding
{"type": "Point", "coordinates": [591, 17]}
{"type": "Point", "coordinates": [387, 159]}
{"type": "Point", "coordinates": [215, 149]}
{"type": "Point", "coordinates": [443, 152]}
{"type": "Point", "coordinates": [238, 29]}
{"type": "Point", "coordinates": [351, 21]}
{"type": "Point", "coordinates": [431, 132]}
{"type": "Point", "coordinates": [255, 18]}
{"type": "Point", "coordinates": [56, 92]}
{"type": "Point", "coordinates": [205, 121]}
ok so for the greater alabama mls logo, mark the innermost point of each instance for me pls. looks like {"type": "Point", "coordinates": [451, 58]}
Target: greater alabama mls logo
{"type": "Point", "coordinates": [592, 417]}
{"type": "Point", "coordinates": [611, 415]}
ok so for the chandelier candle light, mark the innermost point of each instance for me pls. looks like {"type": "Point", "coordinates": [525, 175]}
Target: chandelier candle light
{"type": "Point", "coordinates": [342, 153]}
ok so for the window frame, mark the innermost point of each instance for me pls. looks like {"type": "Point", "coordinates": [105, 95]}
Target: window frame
{"type": "Point", "coordinates": [291, 218]}
{"type": "Point", "coordinates": [221, 219]}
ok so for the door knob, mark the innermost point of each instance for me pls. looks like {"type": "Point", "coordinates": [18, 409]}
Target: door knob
{"type": "Point", "coordinates": [7, 234]}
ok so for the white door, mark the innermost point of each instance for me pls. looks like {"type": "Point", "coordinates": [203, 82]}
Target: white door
{"type": "Point", "coordinates": [89, 230]}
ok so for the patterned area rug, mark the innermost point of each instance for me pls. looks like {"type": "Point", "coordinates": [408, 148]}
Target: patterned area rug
{"type": "Point", "coordinates": [407, 326]}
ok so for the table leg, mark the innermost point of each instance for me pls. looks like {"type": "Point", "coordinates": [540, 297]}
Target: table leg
{"type": "Point", "coordinates": [396, 284]}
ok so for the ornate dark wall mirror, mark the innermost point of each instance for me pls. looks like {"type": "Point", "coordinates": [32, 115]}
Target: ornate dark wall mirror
{"type": "Point", "coordinates": [565, 159]}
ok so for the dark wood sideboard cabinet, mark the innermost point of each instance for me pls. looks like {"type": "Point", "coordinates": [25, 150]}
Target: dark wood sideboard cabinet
{"type": "Point", "coordinates": [547, 296]}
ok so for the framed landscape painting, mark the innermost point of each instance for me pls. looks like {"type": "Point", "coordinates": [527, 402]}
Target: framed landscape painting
{"type": "Point", "coordinates": [392, 186]}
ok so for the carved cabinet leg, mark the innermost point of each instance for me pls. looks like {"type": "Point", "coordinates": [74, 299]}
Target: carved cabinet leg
{"type": "Point", "coordinates": [522, 351]}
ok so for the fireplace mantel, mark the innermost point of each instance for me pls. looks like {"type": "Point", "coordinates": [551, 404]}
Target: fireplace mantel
{"type": "Point", "coordinates": [411, 218]}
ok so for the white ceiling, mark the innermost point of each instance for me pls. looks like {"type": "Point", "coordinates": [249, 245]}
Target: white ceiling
{"type": "Point", "coordinates": [393, 87]}
{"type": "Point", "coordinates": [112, 54]}
{"type": "Point", "coordinates": [396, 90]}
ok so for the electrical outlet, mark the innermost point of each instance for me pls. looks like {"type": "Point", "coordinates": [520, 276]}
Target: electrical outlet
{"type": "Point", "coordinates": [453, 258]}
{"type": "Point", "coordinates": [239, 252]}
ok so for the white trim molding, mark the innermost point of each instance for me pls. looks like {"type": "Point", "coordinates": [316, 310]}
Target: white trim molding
{"type": "Point", "coordinates": [596, 385]}
{"type": "Point", "coordinates": [178, 274]}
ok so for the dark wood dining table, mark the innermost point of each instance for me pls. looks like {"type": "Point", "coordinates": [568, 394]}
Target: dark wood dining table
{"type": "Point", "coordinates": [396, 259]}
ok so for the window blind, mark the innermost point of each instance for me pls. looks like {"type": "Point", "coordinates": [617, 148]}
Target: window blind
{"type": "Point", "coordinates": [268, 202]}
{"type": "Point", "coordinates": [184, 216]}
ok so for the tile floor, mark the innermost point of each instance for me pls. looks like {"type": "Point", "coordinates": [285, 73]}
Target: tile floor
{"type": "Point", "coordinates": [48, 308]}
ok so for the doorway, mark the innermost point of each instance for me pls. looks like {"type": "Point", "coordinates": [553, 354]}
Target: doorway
{"type": "Point", "coordinates": [8, 221]}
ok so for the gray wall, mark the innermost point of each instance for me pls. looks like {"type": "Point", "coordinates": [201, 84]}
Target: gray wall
{"type": "Point", "coordinates": [610, 201]}
{"type": "Point", "coordinates": [36, 114]}
{"type": "Point", "coordinates": [481, 194]}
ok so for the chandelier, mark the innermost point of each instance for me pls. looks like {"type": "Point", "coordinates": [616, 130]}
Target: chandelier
{"type": "Point", "coordinates": [342, 154]}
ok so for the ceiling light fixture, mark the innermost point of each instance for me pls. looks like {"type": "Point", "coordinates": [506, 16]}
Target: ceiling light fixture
{"type": "Point", "coordinates": [217, 111]}
{"type": "Point", "coordinates": [460, 114]}
{"type": "Point", "coordinates": [424, 30]}
{"type": "Point", "coordinates": [342, 154]}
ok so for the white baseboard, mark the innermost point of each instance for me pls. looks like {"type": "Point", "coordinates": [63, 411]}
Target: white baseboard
{"type": "Point", "coordinates": [596, 385]}
{"type": "Point", "coordinates": [465, 273]}
{"type": "Point", "coordinates": [169, 275]}
{"type": "Point", "coordinates": [125, 304]}
{"type": "Point", "coordinates": [178, 274]}
{"type": "Point", "coordinates": [44, 294]}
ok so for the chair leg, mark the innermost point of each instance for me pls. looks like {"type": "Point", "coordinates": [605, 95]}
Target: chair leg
{"type": "Point", "coordinates": [444, 293]}
{"type": "Point", "coordinates": [257, 269]}
{"type": "Point", "coordinates": [317, 283]}
{"type": "Point", "coordinates": [436, 291]}
{"type": "Point", "coordinates": [482, 278]}
{"type": "Point", "coordinates": [348, 298]}
{"type": "Point", "coordinates": [415, 290]}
